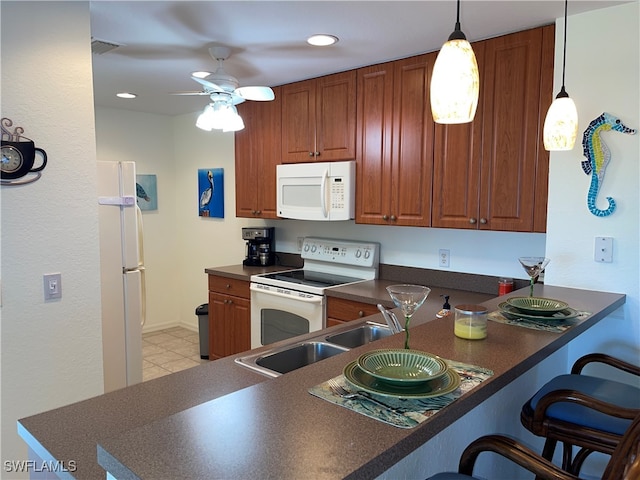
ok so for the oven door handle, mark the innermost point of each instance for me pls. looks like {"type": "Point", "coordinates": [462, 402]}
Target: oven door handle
{"type": "Point", "coordinates": [309, 299]}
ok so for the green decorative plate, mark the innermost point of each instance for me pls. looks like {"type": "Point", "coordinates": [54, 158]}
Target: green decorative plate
{"type": "Point", "coordinates": [512, 312]}
{"type": "Point", "coordinates": [361, 380]}
{"type": "Point", "coordinates": [402, 367]}
{"type": "Point", "coordinates": [537, 305]}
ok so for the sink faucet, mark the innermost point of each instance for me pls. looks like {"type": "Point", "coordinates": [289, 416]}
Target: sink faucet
{"type": "Point", "coordinates": [391, 319]}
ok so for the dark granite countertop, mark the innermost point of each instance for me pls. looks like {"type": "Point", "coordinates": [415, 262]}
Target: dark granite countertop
{"type": "Point", "coordinates": [220, 420]}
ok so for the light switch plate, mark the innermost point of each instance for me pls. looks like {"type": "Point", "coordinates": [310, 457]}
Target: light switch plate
{"type": "Point", "coordinates": [603, 250]}
{"type": "Point", "coordinates": [52, 286]}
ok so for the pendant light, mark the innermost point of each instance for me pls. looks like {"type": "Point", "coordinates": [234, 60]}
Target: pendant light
{"type": "Point", "coordinates": [455, 82]}
{"type": "Point", "coordinates": [561, 124]}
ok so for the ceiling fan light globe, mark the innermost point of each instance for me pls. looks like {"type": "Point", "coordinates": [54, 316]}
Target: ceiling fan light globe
{"type": "Point", "coordinates": [455, 83]}
{"type": "Point", "coordinates": [204, 119]}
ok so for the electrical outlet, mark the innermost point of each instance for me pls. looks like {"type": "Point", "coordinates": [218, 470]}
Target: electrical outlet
{"type": "Point", "coordinates": [443, 258]}
{"type": "Point", "coordinates": [52, 286]}
{"type": "Point", "coordinates": [300, 242]}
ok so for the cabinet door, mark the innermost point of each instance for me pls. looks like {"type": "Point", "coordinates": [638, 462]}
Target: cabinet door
{"type": "Point", "coordinates": [512, 130]}
{"type": "Point", "coordinates": [336, 117]}
{"type": "Point", "coordinates": [246, 194]}
{"type": "Point", "coordinates": [347, 310]}
{"type": "Point", "coordinates": [238, 326]}
{"type": "Point", "coordinates": [412, 151]}
{"type": "Point", "coordinates": [258, 149]}
{"type": "Point", "coordinates": [217, 330]}
{"type": "Point", "coordinates": [229, 325]}
{"type": "Point", "coordinates": [457, 155]}
{"type": "Point", "coordinates": [374, 136]}
{"type": "Point", "coordinates": [298, 121]}
{"type": "Point", "coordinates": [319, 119]}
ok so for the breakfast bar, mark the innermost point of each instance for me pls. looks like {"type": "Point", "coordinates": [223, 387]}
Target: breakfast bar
{"type": "Point", "coordinates": [221, 420]}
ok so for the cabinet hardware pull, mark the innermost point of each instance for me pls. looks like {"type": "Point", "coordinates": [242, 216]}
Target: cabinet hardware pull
{"type": "Point", "coordinates": [317, 154]}
{"type": "Point", "coordinates": [472, 221]}
{"type": "Point", "coordinates": [361, 313]}
{"type": "Point", "coordinates": [228, 285]}
{"type": "Point", "coordinates": [385, 217]}
{"type": "Point", "coordinates": [483, 221]}
{"type": "Point", "coordinates": [311, 154]}
{"type": "Point", "coordinates": [393, 218]}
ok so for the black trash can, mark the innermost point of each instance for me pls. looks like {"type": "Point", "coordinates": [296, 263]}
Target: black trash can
{"type": "Point", "coordinates": [203, 328]}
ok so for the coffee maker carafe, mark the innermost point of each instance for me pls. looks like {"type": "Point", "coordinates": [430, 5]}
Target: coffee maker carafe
{"type": "Point", "coordinates": [260, 251]}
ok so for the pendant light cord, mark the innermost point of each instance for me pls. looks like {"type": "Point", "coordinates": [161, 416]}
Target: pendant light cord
{"type": "Point", "coordinates": [564, 52]}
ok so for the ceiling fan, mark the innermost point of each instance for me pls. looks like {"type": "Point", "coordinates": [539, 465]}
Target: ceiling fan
{"type": "Point", "coordinates": [222, 86]}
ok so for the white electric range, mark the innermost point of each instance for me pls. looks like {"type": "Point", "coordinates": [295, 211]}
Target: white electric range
{"type": "Point", "coordinates": [291, 303]}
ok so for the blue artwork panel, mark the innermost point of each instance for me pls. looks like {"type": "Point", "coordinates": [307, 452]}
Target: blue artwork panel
{"type": "Point", "coordinates": [147, 192]}
{"type": "Point", "coordinates": [211, 192]}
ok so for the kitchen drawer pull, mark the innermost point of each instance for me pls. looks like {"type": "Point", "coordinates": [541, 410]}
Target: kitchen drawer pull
{"type": "Point", "coordinates": [361, 314]}
{"type": "Point", "coordinates": [472, 221]}
{"type": "Point", "coordinates": [393, 218]}
{"type": "Point", "coordinates": [385, 217]}
{"type": "Point", "coordinates": [311, 154]}
{"type": "Point", "coordinates": [483, 221]}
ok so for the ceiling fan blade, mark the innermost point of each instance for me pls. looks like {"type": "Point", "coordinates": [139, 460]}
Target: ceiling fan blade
{"type": "Point", "coordinates": [260, 94]}
{"type": "Point", "coordinates": [207, 84]}
{"type": "Point", "coordinates": [199, 92]}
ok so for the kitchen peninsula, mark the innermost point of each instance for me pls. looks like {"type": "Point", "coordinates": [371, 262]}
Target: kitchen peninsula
{"type": "Point", "coordinates": [220, 420]}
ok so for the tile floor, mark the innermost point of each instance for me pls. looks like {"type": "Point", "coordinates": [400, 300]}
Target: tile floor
{"type": "Point", "coordinates": [169, 350]}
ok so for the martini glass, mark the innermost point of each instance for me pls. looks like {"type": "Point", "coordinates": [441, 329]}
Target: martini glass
{"type": "Point", "coordinates": [408, 298]}
{"type": "Point", "coordinates": [533, 266]}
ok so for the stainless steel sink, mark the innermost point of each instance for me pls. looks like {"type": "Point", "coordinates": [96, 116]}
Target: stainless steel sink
{"type": "Point", "coordinates": [291, 357]}
{"type": "Point", "coordinates": [298, 354]}
{"type": "Point", "coordinates": [360, 336]}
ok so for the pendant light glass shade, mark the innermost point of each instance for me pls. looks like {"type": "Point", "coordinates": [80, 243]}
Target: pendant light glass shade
{"type": "Point", "coordinates": [561, 123]}
{"type": "Point", "coordinates": [455, 82]}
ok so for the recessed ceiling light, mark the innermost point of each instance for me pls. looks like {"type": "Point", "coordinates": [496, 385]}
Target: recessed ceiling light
{"type": "Point", "coordinates": [200, 74]}
{"type": "Point", "coordinates": [322, 40]}
{"type": "Point", "coordinates": [126, 95]}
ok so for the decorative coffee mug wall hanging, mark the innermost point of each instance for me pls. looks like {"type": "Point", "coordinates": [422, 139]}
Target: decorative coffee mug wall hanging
{"type": "Point", "coordinates": [598, 157]}
{"type": "Point", "coordinates": [20, 156]}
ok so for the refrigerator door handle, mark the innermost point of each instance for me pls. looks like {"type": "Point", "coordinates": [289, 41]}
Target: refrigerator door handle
{"type": "Point", "coordinates": [126, 200]}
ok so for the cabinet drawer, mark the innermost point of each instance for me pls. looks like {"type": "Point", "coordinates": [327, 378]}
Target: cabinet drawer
{"type": "Point", "coordinates": [348, 310]}
{"type": "Point", "coordinates": [229, 286]}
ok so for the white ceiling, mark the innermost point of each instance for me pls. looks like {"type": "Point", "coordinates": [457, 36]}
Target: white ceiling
{"type": "Point", "coordinates": [162, 42]}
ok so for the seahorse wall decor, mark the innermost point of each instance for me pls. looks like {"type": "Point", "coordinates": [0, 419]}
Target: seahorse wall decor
{"type": "Point", "coordinates": [598, 157]}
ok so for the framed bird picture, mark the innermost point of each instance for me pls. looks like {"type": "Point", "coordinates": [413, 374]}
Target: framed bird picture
{"type": "Point", "coordinates": [211, 192]}
{"type": "Point", "coordinates": [147, 192]}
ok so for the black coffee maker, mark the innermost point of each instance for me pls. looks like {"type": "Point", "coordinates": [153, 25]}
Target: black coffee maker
{"type": "Point", "coordinates": [260, 250]}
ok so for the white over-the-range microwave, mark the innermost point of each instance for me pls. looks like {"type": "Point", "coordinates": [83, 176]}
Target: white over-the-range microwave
{"type": "Point", "coordinates": [316, 191]}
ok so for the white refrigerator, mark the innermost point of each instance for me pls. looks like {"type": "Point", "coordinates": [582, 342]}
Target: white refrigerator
{"type": "Point", "coordinates": [121, 274]}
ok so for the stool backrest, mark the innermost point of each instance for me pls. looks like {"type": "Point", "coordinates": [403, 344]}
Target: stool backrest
{"type": "Point", "coordinates": [625, 460]}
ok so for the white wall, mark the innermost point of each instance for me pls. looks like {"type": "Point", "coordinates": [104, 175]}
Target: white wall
{"type": "Point", "coordinates": [51, 352]}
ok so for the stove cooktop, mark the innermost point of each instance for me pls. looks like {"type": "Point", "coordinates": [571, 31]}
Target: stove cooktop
{"type": "Point", "coordinates": [310, 278]}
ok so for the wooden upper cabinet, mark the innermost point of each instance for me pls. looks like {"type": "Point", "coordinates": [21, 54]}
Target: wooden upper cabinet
{"type": "Point", "coordinates": [258, 149]}
{"type": "Point", "coordinates": [492, 174]}
{"type": "Point", "coordinates": [319, 119]}
{"type": "Point", "coordinates": [395, 143]}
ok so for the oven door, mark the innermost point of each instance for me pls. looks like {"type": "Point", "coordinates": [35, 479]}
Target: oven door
{"type": "Point", "coordinates": [279, 313]}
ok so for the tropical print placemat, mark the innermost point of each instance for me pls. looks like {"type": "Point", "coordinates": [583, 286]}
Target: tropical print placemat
{"type": "Point", "coordinates": [403, 413]}
{"type": "Point", "coordinates": [548, 324]}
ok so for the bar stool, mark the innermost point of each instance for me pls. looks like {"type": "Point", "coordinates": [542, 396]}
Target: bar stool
{"type": "Point", "coordinates": [589, 412]}
{"type": "Point", "coordinates": [624, 463]}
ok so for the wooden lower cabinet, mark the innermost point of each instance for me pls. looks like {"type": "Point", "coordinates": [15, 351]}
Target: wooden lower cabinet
{"type": "Point", "coordinates": [340, 311]}
{"type": "Point", "coordinates": [229, 317]}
